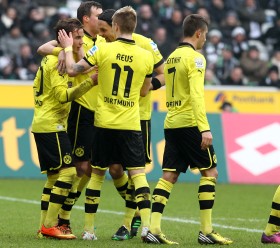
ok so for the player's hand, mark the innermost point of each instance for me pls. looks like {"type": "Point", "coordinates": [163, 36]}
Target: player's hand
{"type": "Point", "coordinates": [61, 66]}
{"type": "Point", "coordinates": [64, 39]}
{"type": "Point", "coordinates": [206, 140]}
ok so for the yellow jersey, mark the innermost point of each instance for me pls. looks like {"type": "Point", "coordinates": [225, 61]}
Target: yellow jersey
{"type": "Point", "coordinates": [121, 73]}
{"type": "Point", "coordinates": [184, 79]}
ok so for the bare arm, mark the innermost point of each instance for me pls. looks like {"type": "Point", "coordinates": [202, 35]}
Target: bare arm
{"type": "Point", "coordinates": [72, 68]}
{"type": "Point", "coordinates": [146, 87]}
{"type": "Point", "coordinates": [158, 81]}
{"type": "Point", "coordinates": [47, 48]}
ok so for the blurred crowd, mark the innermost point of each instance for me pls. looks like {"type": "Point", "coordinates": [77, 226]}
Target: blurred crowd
{"type": "Point", "coordinates": [242, 48]}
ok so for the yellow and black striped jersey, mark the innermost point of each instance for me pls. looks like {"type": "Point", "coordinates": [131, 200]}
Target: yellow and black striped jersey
{"type": "Point", "coordinates": [122, 68]}
{"type": "Point", "coordinates": [149, 45]}
{"type": "Point", "coordinates": [184, 79]}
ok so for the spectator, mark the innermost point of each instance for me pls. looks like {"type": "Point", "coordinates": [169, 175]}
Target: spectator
{"type": "Point", "coordinates": [217, 11]}
{"type": "Point", "coordinates": [165, 9]}
{"type": "Point", "coordinates": [251, 17]}
{"type": "Point", "coordinates": [253, 67]}
{"type": "Point", "coordinates": [225, 63]}
{"type": "Point", "coordinates": [189, 5]}
{"type": "Point", "coordinates": [160, 38]}
{"type": "Point", "coordinates": [25, 64]}
{"type": "Point", "coordinates": [210, 78]}
{"type": "Point", "coordinates": [174, 26]}
{"type": "Point", "coordinates": [229, 23]}
{"type": "Point", "coordinates": [275, 60]}
{"type": "Point", "coordinates": [213, 47]}
{"type": "Point", "coordinates": [271, 36]}
{"type": "Point", "coordinates": [272, 77]}
{"type": "Point", "coordinates": [7, 19]}
{"type": "Point", "coordinates": [7, 68]}
{"type": "Point", "coordinates": [227, 107]}
{"type": "Point", "coordinates": [146, 23]}
{"type": "Point", "coordinates": [239, 42]}
{"type": "Point", "coordinates": [34, 15]}
{"type": "Point", "coordinates": [61, 14]}
{"type": "Point", "coordinates": [11, 42]}
{"type": "Point", "coordinates": [235, 77]}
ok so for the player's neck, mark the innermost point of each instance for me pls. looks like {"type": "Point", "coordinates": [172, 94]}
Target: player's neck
{"type": "Point", "coordinates": [92, 34]}
{"type": "Point", "coordinates": [190, 41]}
{"type": "Point", "coordinates": [125, 36]}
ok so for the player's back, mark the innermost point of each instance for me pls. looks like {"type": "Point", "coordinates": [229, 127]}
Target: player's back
{"type": "Point", "coordinates": [49, 114]}
{"type": "Point", "coordinates": [122, 68]}
{"type": "Point", "coordinates": [184, 76]}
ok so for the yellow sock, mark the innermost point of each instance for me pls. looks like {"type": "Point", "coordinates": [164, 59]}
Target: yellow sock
{"type": "Point", "coordinates": [59, 193]}
{"type": "Point", "coordinates": [65, 211]}
{"type": "Point", "coordinates": [159, 200]}
{"type": "Point", "coordinates": [45, 198]}
{"type": "Point", "coordinates": [130, 204]}
{"type": "Point", "coordinates": [206, 197]}
{"type": "Point", "coordinates": [142, 196]}
{"type": "Point", "coordinates": [273, 225]}
{"type": "Point", "coordinates": [92, 200]}
{"type": "Point", "coordinates": [83, 182]}
{"type": "Point", "coordinates": [121, 185]}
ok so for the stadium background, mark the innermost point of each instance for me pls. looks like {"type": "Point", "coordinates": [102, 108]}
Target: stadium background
{"type": "Point", "coordinates": [247, 139]}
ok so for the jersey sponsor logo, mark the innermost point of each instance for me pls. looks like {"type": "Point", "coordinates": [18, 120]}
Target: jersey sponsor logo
{"type": "Point", "coordinates": [93, 50]}
{"type": "Point", "coordinates": [67, 159]}
{"type": "Point", "coordinates": [79, 152]}
{"type": "Point", "coordinates": [198, 63]}
{"type": "Point", "coordinates": [154, 46]}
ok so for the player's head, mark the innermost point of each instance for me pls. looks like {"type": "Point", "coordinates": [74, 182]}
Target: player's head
{"type": "Point", "coordinates": [195, 26]}
{"type": "Point", "coordinates": [88, 13]}
{"type": "Point", "coordinates": [105, 25]}
{"type": "Point", "coordinates": [74, 26]}
{"type": "Point", "coordinates": [124, 20]}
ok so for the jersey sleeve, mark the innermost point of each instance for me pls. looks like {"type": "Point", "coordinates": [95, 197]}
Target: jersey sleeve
{"type": "Point", "coordinates": [197, 71]}
{"type": "Point", "coordinates": [91, 57]}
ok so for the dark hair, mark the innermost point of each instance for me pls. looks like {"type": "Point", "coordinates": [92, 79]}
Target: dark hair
{"type": "Point", "coordinates": [69, 25]}
{"type": "Point", "coordinates": [85, 9]}
{"type": "Point", "coordinates": [107, 15]}
{"type": "Point", "coordinates": [192, 23]}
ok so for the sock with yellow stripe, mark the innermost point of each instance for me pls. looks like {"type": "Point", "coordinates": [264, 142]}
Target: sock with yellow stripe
{"type": "Point", "coordinates": [59, 194]}
{"type": "Point", "coordinates": [273, 225]}
{"type": "Point", "coordinates": [121, 185]}
{"type": "Point", "coordinates": [65, 211]}
{"type": "Point", "coordinates": [142, 196]}
{"type": "Point", "coordinates": [83, 182]}
{"type": "Point", "coordinates": [92, 200]}
{"type": "Point", "coordinates": [45, 198]}
{"type": "Point", "coordinates": [159, 200]}
{"type": "Point", "coordinates": [130, 204]}
{"type": "Point", "coordinates": [206, 197]}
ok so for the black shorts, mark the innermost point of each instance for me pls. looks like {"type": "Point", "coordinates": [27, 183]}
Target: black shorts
{"type": "Point", "coordinates": [123, 147]}
{"type": "Point", "coordinates": [54, 151]}
{"type": "Point", "coordinates": [146, 136]}
{"type": "Point", "coordinates": [81, 131]}
{"type": "Point", "coordinates": [183, 150]}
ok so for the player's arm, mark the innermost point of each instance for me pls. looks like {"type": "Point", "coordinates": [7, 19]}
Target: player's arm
{"type": "Point", "coordinates": [158, 81]}
{"type": "Point", "coordinates": [146, 86]}
{"type": "Point", "coordinates": [67, 95]}
{"type": "Point", "coordinates": [72, 68]}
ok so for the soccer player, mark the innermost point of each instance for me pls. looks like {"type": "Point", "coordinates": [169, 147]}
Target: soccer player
{"type": "Point", "coordinates": [187, 132]}
{"type": "Point", "coordinates": [122, 75]}
{"type": "Point", "coordinates": [271, 233]}
{"type": "Point", "coordinates": [119, 177]}
{"type": "Point", "coordinates": [81, 116]}
{"type": "Point", "coordinates": [52, 94]}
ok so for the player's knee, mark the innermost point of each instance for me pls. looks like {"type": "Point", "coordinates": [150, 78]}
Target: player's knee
{"type": "Point", "coordinates": [116, 171]}
{"type": "Point", "coordinates": [171, 177]}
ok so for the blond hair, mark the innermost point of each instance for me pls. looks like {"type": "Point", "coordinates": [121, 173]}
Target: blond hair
{"type": "Point", "coordinates": [126, 18]}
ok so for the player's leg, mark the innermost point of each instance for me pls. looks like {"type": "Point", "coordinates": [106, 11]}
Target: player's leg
{"type": "Point", "coordinates": [120, 179]}
{"type": "Point", "coordinates": [271, 233]}
{"type": "Point", "coordinates": [56, 146]}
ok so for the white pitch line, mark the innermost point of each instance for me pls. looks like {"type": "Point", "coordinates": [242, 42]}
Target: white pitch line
{"type": "Point", "coordinates": [172, 219]}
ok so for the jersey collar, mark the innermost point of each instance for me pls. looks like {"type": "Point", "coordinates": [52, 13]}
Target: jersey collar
{"type": "Point", "coordinates": [89, 36]}
{"type": "Point", "coordinates": [186, 44]}
{"type": "Point", "coordinates": [132, 42]}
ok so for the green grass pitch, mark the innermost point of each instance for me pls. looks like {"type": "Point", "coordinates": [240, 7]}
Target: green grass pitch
{"type": "Point", "coordinates": [240, 212]}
